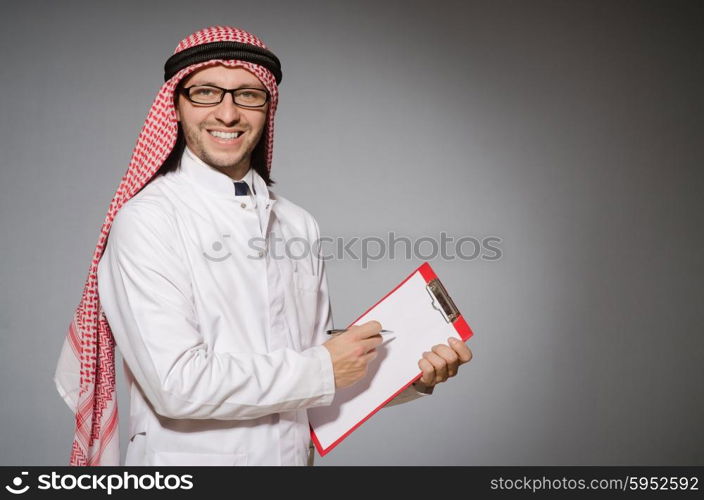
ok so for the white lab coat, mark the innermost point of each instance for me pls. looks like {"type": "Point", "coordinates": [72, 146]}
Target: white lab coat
{"type": "Point", "coordinates": [191, 300]}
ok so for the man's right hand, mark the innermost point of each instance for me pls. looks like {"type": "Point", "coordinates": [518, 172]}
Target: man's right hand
{"type": "Point", "coordinates": [352, 350]}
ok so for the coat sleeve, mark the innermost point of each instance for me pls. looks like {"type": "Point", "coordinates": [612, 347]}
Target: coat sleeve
{"type": "Point", "coordinates": [145, 294]}
{"type": "Point", "coordinates": [324, 322]}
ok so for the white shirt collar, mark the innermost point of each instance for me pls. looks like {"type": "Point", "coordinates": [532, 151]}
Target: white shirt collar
{"type": "Point", "coordinates": [217, 182]}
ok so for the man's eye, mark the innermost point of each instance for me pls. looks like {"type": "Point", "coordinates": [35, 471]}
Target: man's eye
{"type": "Point", "coordinates": [203, 92]}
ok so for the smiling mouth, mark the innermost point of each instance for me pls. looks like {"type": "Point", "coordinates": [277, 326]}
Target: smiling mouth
{"type": "Point", "coordinates": [225, 135]}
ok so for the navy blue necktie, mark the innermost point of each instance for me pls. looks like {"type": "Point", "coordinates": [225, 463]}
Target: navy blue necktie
{"type": "Point", "coordinates": [241, 188]}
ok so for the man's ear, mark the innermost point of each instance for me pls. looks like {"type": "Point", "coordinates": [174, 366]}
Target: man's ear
{"type": "Point", "coordinates": [177, 99]}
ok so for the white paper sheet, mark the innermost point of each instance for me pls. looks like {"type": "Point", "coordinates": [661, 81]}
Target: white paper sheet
{"type": "Point", "coordinates": [417, 327]}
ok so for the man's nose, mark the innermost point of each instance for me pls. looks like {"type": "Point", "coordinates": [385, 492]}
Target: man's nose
{"type": "Point", "coordinates": [227, 111]}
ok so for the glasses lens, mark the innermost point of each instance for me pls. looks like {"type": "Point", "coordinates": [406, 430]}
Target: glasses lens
{"type": "Point", "coordinates": [205, 95]}
{"type": "Point", "coordinates": [250, 97]}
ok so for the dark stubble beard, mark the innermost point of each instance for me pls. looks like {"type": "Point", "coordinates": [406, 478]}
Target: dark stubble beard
{"type": "Point", "coordinates": [193, 137]}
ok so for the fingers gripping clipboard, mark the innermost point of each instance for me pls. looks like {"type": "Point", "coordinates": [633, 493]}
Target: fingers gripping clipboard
{"type": "Point", "coordinates": [421, 314]}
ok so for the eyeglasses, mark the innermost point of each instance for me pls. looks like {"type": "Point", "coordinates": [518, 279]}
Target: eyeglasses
{"type": "Point", "coordinates": [211, 95]}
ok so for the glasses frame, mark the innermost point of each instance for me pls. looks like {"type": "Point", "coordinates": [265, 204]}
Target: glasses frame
{"type": "Point", "coordinates": [185, 92]}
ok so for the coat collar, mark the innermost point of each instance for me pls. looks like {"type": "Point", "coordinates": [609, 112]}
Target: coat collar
{"type": "Point", "coordinates": [218, 183]}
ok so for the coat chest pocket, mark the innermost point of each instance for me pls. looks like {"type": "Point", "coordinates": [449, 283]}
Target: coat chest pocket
{"type": "Point", "coordinates": [306, 288]}
{"type": "Point", "coordinates": [305, 281]}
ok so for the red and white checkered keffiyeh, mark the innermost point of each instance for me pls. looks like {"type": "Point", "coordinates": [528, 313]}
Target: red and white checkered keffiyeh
{"type": "Point", "coordinates": [85, 375]}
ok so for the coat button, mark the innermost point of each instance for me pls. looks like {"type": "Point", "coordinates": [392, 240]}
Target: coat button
{"type": "Point", "coordinates": [243, 205]}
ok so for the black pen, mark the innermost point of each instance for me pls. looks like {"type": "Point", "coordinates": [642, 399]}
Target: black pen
{"type": "Point", "coordinates": [336, 331]}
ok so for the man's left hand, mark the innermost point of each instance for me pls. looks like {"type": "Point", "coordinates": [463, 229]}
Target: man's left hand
{"type": "Point", "coordinates": [443, 361]}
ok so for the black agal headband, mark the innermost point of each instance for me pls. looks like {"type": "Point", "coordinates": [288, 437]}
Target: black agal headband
{"type": "Point", "coordinates": [223, 50]}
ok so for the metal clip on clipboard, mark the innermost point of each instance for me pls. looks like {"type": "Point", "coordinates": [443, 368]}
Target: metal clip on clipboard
{"type": "Point", "coordinates": [438, 295]}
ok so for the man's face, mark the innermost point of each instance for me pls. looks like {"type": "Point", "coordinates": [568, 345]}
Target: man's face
{"type": "Point", "coordinates": [198, 121]}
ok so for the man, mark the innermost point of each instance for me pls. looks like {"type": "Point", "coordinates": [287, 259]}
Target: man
{"type": "Point", "coordinates": [224, 348]}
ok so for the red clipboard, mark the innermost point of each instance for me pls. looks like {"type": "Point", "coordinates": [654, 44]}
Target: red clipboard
{"type": "Point", "coordinates": [419, 304]}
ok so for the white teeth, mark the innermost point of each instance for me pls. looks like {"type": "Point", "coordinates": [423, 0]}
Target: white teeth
{"type": "Point", "coordinates": [225, 135]}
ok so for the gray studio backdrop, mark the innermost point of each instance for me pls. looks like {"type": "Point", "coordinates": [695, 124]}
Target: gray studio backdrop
{"type": "Point", "coordinates": [571, 131]}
